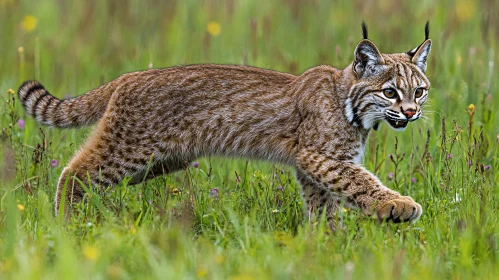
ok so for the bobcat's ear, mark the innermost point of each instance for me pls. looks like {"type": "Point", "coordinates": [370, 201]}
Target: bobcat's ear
{"type": "Point", "coordinates": [420, 54]}
{"type": "Point", "coordinates": [367, 59]}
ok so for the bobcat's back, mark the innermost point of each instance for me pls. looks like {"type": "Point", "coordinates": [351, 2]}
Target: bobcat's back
{"type": "Point", "coordinates": [185, 83]}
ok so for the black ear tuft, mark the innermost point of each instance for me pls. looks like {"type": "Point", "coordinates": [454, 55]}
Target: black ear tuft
{"type": "Point", "coordinates": [412, 52]}
{"type": "Point", "coordinates": [427, 30]}
{"type": "Point", "coordinates": [364, 30]}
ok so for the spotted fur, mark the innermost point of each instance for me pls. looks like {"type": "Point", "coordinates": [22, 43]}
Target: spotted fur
{"type": "Point", "coordinates": [317, 122]}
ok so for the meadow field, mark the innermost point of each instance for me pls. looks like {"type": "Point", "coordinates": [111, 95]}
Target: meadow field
{"type": "Point", "coordinates": [236, 218]}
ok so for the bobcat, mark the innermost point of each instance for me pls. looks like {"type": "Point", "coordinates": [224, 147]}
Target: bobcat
{"type": "Point", "coordinates": [158, 121]}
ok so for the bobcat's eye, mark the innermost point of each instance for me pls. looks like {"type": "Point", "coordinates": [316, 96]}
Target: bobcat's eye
{"type": "Point", "coordinates": [418, 93]}
{"type": "Point", "coordinates": [390, 93]}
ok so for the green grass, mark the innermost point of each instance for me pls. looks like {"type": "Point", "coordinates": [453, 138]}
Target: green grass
{"type": "Point", "coordinates": [174, 227]}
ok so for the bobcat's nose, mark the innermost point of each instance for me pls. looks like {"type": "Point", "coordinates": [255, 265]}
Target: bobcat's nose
{"type": "Point", "coordinates": [409, 113]}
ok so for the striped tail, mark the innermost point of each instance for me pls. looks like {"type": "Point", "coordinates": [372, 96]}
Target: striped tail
{"type": "Point", "coordinates": [75, 112]}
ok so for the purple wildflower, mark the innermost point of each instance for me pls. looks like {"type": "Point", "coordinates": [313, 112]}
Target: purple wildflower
{"type": "Point", "coordinates": [67, 96]}
{"type": "Point", "coordinates": [390, 175]}
{"type": "Point", "coordinates": [487, 167]}
{"type": "Point", "coordinates": [413, 180]}
{"type": "Point", "coordinates": [53, 163]}
{"type": "Point", "coordinates": [214, 193]}
{"type": "Point", "coordinates": [449, 156]}
{"type": "Point", "coordinates": [390, 156]}
{"type": "Point", "coordinates": [195, 164]}
{"type": "Point", "coordinates": [20, 124]}
{"type": "Point", "coordinates": [470, 163]}
{"type": "Point", "coordinates": [279, 188]}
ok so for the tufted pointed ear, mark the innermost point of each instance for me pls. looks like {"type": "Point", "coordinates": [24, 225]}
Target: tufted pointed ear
{"type": "Point", "coordinates": [420, 55]}
{"type": "Point", "coordinates": [367, 59]}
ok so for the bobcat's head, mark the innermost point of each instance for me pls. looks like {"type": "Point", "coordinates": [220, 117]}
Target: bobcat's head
{"type": "Point", "coordinates": [389, 87]}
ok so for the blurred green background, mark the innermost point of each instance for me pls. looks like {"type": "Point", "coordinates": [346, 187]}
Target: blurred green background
{"type": "Point", "coordinates": [241, 219]}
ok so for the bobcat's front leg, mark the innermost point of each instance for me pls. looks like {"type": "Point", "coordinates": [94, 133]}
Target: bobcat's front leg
{"type": "Point", "coordinates": [359, 187]}
{"type": "Point", "coordinates": [320, 200]}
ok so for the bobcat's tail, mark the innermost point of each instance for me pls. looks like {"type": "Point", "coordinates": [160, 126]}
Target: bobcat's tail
{"type": "Point", "coordinates": [74, 112]}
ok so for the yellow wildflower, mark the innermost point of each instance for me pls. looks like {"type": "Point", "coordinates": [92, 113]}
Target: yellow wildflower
{"type": "Point", "coordinates": [20, 50]}
{"type": "Point", "coordinates": [213, 28]}
{"type": "Point", "coordinates": [176, 191]}
{"type": "Point", "coordinates": [202, 272]}
{"type": "Point", "coordinates": [471, 110]}
{"type": "Point", "coordinates": [91, 253]}
{"type": "Point", "coordinates": [29, 23]}
{"type": "Point", "coordinates": [11, 91]}
{"type": "Point", "coordinates": [20, 207]}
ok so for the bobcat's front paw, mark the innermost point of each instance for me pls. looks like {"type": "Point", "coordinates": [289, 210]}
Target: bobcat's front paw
{"type": "Point", "coordinates": [402, 209]}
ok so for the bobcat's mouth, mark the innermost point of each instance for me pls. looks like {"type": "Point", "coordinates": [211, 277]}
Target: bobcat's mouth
{"type": "Point", "coordinates": [397, 124]}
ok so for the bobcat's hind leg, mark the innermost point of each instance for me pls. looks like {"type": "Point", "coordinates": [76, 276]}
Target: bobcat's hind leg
{"type": "Point", "coordinates": [94, 162]}
{"type": "Point", "coordinates": [88, 171]}
{"type": "Point", "coordinates": [319, 199]}
{"type": "Point", "coordinates": [100, 162]}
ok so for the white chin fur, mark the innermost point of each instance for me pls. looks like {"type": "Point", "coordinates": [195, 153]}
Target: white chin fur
{"type": "Point", "coordinates": [367, 124]}
{"type": "Point", "coordinates": [399, 129]}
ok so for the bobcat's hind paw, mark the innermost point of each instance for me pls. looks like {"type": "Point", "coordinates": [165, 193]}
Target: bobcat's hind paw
{"type": "Point", "coordinates": [402, 209]}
